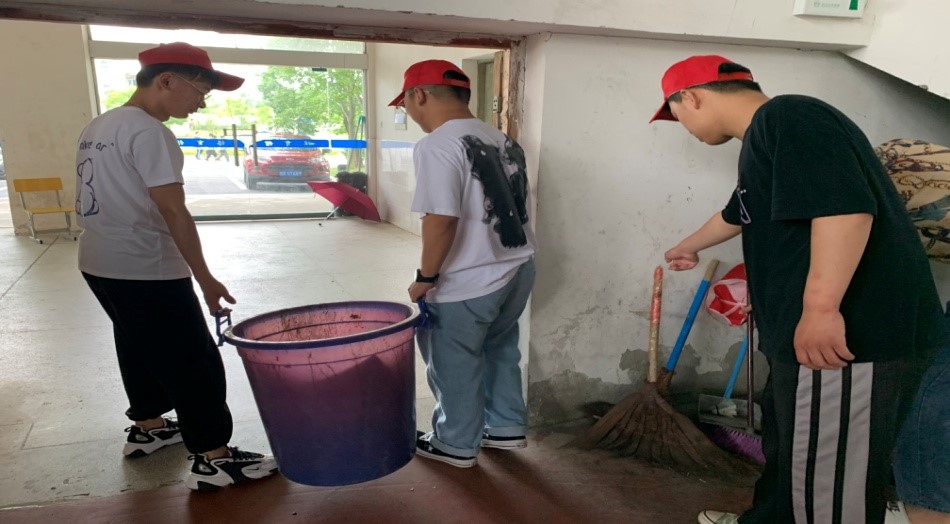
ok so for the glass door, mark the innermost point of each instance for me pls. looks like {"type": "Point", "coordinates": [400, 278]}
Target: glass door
{"type": "Point", "coordinates": [251, 152]}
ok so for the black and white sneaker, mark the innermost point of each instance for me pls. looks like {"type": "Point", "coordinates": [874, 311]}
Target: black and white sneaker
{"type": "Point", "coordinates": [241, 466]}
{"type": "Point", "coordinates": [140, 442]}
{"type": "Point", "coordinates": [424, 448]}
{"type": "Point", "coordinates": [489, 441]}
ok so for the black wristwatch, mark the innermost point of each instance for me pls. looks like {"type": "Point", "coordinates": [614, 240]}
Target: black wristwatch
{"type": "Point", "coordinates": [426, 280]}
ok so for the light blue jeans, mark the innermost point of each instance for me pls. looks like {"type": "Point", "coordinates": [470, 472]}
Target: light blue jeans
{"type": "Point", "coordinates": [922, 452]}
{"type": "Point", "coordinates": [471, 355]}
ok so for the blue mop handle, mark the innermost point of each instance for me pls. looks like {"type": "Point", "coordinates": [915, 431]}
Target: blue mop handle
{"type": "Point", "coordinates": [691, 316]}
{"type": "Point", "coordinates": [425, 318]}
{"type": "Point", "coordinates": [736, 368]}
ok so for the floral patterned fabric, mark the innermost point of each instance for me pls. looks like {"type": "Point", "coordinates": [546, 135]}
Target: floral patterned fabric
{"type": "Point", "coordinates": [921, 173]}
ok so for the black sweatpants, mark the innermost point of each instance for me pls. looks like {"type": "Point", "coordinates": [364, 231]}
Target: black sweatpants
{"type": "Point", "coordinates": [827, 438]}
{"type": "Point", "coordinates": [167, 356]}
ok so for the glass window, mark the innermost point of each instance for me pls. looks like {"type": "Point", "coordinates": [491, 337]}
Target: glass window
{"type": "Point", "coordinates": [252, 151]}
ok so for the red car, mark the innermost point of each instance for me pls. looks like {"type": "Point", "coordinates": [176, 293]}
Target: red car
{"type": "Point", "coordinates": [296, 163]}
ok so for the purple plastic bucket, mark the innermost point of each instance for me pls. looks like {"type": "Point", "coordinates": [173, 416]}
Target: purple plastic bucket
{"type": "Point", "coordinates": [335, 387]}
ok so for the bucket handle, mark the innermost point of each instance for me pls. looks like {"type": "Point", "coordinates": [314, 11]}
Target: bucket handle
{"type": "Point", "coordinates": [221, 317]}
{"type": "Point", "coordinates": [425, 318]}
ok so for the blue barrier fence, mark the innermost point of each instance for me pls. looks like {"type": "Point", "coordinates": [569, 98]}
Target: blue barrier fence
{"type": "Point", "coordinates": [208, 143]}
{"type": "Point", "coordinates": [273, 143]}
{"type": "Point", "coordinates": [292, 143]}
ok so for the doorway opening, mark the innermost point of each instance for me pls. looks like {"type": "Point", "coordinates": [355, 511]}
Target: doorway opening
{"type": "Point", "coordinates": [299, 117]}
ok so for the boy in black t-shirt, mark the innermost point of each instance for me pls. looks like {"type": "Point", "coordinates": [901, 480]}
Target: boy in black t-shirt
{"type": "Point", "coordinates": [844, 298]}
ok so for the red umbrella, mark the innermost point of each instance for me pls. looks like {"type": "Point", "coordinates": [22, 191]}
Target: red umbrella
{"type": "Point", "coordinates": [347, 198]}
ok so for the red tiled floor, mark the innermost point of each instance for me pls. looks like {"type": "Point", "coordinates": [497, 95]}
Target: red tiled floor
{"type": "Point", "coordinates": [545, 483]}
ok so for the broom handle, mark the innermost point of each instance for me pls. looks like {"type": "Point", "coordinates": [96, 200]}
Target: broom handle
{"type": "Point", "coordinates": [655, 301]}
{"type": "Point", "coordinates": [740, 359]}
{"type": "Point", "coordinates": [691, 315]}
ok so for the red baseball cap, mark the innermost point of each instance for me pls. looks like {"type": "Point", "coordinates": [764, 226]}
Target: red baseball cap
{"type": "Point", "coordinates": [429, 72]}
{"type": "Point", "coordinates": [187, 54]}
{"type": "Point", "coordinates": [694, 71]}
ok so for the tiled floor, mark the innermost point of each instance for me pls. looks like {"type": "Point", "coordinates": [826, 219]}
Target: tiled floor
{"type": "Point", "coordinates": [62, 403]}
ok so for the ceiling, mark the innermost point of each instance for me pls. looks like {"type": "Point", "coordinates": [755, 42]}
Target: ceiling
{"type": "Point", "coordinates": [259, 17]}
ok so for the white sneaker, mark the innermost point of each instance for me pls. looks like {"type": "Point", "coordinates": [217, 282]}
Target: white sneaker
{"type": "Point", "coordinates": [140, 442]}
{"type": "Point", "coordinates": [489, 441]}
{"type": "Point", "coordinates": [717, 517]}
{"type": "Point", "coordinates": [240, 466]}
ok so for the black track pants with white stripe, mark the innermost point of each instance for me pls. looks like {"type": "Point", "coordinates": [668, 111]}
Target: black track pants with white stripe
{"type": "Point", "coordinates": [827, 438]}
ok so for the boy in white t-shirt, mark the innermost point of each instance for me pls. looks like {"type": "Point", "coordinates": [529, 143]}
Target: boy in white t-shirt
{"type": "Point", "coordinates": [477, 267]}
{"type": "Point", "coordinates": [138, 251]}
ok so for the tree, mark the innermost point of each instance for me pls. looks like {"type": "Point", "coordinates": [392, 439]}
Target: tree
{"type": "Point", "coordinates": [306, 101]}
{"type": "Point", "coordinates": [237, 109]}
{"type": "Point", "coordinates": [116, 98]}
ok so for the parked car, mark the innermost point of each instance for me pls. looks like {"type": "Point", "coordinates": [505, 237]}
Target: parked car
{"type": "Point", "coordinates": [285, 164]}
{"type": "Point", "coordinates": [3, 173]}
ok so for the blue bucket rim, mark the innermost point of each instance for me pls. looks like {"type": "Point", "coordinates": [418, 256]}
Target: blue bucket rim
{"type": "Point", "coordinates": [411, 321]}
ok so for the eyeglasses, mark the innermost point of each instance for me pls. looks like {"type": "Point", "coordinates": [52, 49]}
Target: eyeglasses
{"type": "Point", "coordinates": [408, 92]}
{"type": "Point", "coordinates": [204, 94]}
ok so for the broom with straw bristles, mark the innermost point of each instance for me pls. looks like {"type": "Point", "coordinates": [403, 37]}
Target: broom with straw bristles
{"type": "Point", "coordinates": [646, 426]}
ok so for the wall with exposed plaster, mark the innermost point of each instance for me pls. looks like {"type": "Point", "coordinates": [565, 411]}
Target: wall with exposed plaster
{"type": "Point", "coordinates": [615, 192]}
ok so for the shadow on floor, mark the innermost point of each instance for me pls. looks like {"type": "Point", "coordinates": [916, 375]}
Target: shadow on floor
{"type": "Point", "coordinates": [547, 482]}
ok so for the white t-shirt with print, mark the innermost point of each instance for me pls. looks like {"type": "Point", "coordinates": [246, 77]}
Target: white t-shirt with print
{"type": "Point", "coordinates": [122, 154]}
{"type": "Point", "coordinates": [470, 170]}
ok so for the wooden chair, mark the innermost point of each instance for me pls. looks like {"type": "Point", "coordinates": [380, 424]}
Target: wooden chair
{"type": "Point", "coordinates": [39, 186]}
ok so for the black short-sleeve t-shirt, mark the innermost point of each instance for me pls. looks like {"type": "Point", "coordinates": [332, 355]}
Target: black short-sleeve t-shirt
{"type": "Point", "coordinates": [802, 159]}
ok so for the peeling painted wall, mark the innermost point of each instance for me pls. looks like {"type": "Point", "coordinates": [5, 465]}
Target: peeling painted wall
{"type": "Point", "coordinates": [615, 192]}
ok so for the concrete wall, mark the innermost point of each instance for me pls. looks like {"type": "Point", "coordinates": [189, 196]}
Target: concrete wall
{"type": "Point", "coordinates": [734, 20]}
{"type": "Point", "coordinates": [46, 101]}
{"type": "Point", "coordinates": [395, 179]}
{"type": "Point", "coordinates": [615, 192]}
{"type": "Point", "coordinates": [909, 41]}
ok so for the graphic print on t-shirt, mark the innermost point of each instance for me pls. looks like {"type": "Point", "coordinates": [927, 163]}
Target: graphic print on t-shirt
{"type": "Point", "coordinates": [86, 203]}
{"type": "Point", "coordinates": [504, 195]}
